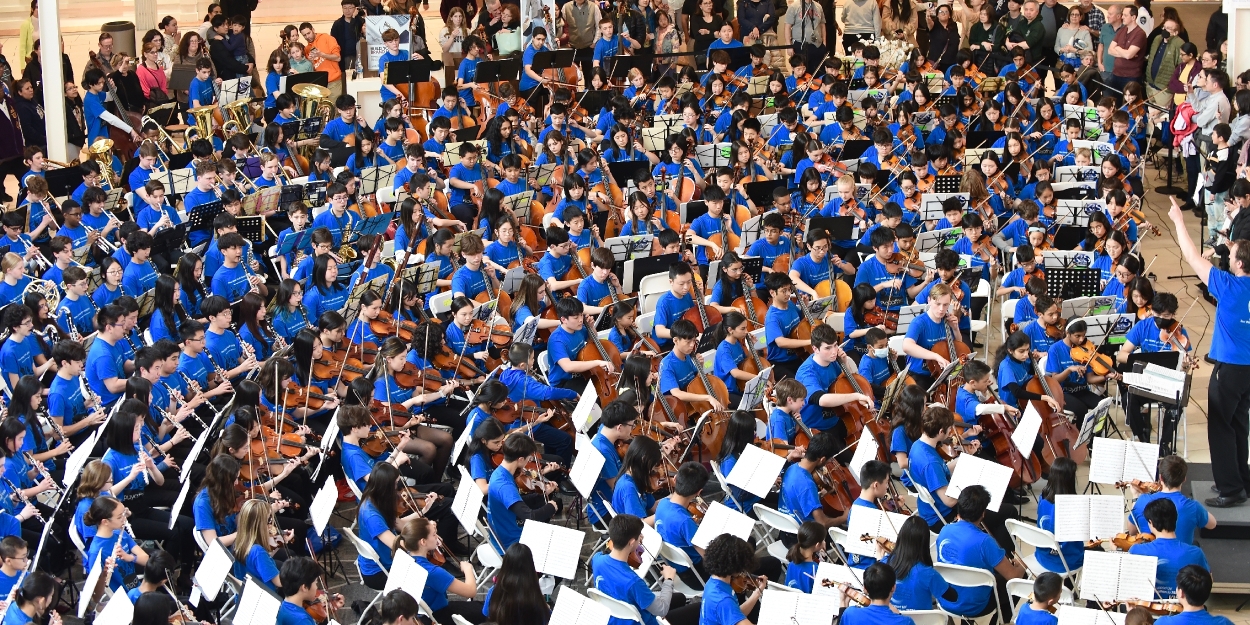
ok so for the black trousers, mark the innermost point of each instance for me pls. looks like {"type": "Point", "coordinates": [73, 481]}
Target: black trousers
{"type": "Point", "coordinates": [786, 369]}
{"type": "Point", "coordinates": [1080, 402]}
{"type": "Point", "coordinates": [152, 524]}
{"type": "Point", "coordinates": [1228, 398]}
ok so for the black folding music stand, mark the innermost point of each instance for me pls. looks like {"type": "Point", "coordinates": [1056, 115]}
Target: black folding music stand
{"type": "Point", "coordinates": [622, 63]}
{"type": "Point", "coordinates": [761, 193]}
{"type": "Point", "coordinates": [1068, 237]}
{"type": "Point", "coordinates": [594, 101]}
{"type": "Point", "coordinates": [201, 217]}
{"type": "Point", "coordinates": [495, 71]}
{"type": "Point", "coordinates": [753, 266]}
{"type": "Point", "coordinates": [646, 266]}
{"type": "Point", "coordinates": [252, 227]}
{"type": "Point", "coordinates": [738, 58]}
{"type": "Point", "coordinates": [316, 78]}
{"type": "Point", "coordinates": [62, 181]}
{"type": "Point", "coordinates": [291, 193]}
{"type": "Point", "coordinates": [694, 210]}
{"type": "Point", "coordinates": [983, 139]}
{"type": "Point", "coordinates": [1070, 282]}
{"type": "Point", "coordinates": [315, 192]}
{"type": "Point", "coordinates": [839, 228]}
{"type": "Point", "coordinates": [854, 149]}
{"type": "Point", "coordinates": [628, 171]}
{"type": "Point", "coordinates": [946, 184]}
{"type": "Point", "coordinates": [406, 72]}
{"type": "Point", "coordinates": [169, 241]}
{"type": "Point", "coordinates": [555, 58]}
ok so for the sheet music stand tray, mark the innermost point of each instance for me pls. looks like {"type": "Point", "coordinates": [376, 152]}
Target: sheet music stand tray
{"type": "Point", "coordinates": [1077, 282]}
{"type": "Point", "coordinates": [374, 178]}
{"type": "Point", "coordinates": [262, 202]}
{"type": "Point", "coordinates": [201, 217]}
{"type": "Point", "coordinates": [352, 306]}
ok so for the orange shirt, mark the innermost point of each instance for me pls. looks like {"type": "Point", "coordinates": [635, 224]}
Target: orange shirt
{"type": "Point", "coordinates": [328, 45]}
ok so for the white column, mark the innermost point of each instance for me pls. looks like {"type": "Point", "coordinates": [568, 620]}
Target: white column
{"type": "Point", "coordinates": [145, 20]}
{"type": "Point", "coordinates": [53, 80]}
{"type": "Point", "coordinates": [1238, 21]}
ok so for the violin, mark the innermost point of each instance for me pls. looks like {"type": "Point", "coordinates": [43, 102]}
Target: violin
{"type": "Point", "coordinates": [854, 595]}
{"type": "Point", "coordinates": [1145, 488]}
{"type": "Point", "coordinates": [385, 324]}
{"type": "Point", "coordinates": [480, 331]}
{"type": "Point", "coordinates": [878, 317]}
{"type": "Point", "coordinates": [1166, 607]}
{"type": "Point", "coordinates": [378, 441]}
{"type": "Point", "coordinates": [1124, 541]}
{"type": "Point", "coordinates": [697, 508]}
{"type": "Point", "coordinates": [886, 544]}
{"type": "Point", "coordinates": [742, 582]}
{"type": "Point", "coordinates": [298, 396]}
{"type": "Point", "coordinates": [1087, 354]}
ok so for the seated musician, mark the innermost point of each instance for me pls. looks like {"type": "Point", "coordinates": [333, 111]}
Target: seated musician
{"type": "Point", "coordinates": [139, 276]}
{"type": "Point", "coordinates": [555, 264]}
{"type": "Point", "coordinates": [1190, 514]}
{"type": "Point", "coordinates": [805, 556]}
{"type": "Point", "coordinates": [617, 422]}
{"type": "Point", "coordinates": [506, 507]}
{"type": "Point", "coordinates": [148, 154]}
{"type": "Point", "coordinates": [1117, 206]}
{"type": "Point", "coordinates": [193, 363]}
{"type": "Point", "coordinates": [92, 178]}
{"type": "Point", "coordinates": [522, 387]}
{"type": "Point", "coordinates": [673, 304]}
{"type": "Point", "coordinates": [1043, 331]}
{"type": "Point", "coordinates": [1172, 553]}
{"type": "Point", "coordinates": [1073, 376]}
{"type": "Point", "coordinates": [112, 541]}
{"type": "Point", "coordinates": [967, 542]}
{"type": "Point", "coordinates": [234, 278]}
{"type": "Point", "coordinates": [731, 352]}
{"type": "Point", "coordinates": [800, 497]}
{"type": "Point", "coordinates": [939, 322]}
{"type": "Point", "coordinates": [681, 366]}
{"type": "Point", "coordinates": [470, 279]}
{"type": "Point", "coordinates": [66, 404]}
{"type": "Point", "coordinates": [969, 405]}
{"type": "Point", "coordinates": [876, 363]}
{"type": "Point", "coordinates": [874, 482]}
{"type": "Point", "coordinates": [819, 264]}
{"type": "Point", "coordinates": [1127, 271]}
{"type": "Point", "coordinates": [566, 343]}
{"type": "Point", "coordinates": [601, 281]}
{"type": "Point", "coordinates": [893, 290]}
{"type": "Point", "coordinates": [338, 220]}
{"type": "Point", "coordinates": [107, 365]}
{"type": "Point", "coordinates": [413, 165]}
{"type": "Point", "coordinates": [780, 320]}
{"type": "Point", "coordinates": [224, 348]}
{"type": "Point", "coordinates": [38, 203]}
{"type": "Point", "coordinates": [461, 179]}
{"type": "Point", "coordinates": [335, 133]}
{"type": "Point", "coordinates": [1026, 262]}
{"type": "Point", "coordinates": [614, 577]}
{"type": "Point", "coordinates": [974, 231]}
{"type": "Point", "coordinates": [818, 374]}
{"type": "Point", "coordinates": [1147, 335]}
{"type": "Point", "coordinates": [574, 219]}
{"type": "Point", "coordinates": [947, 262]}
{"type": "Point", "coordinates": [879, 585]}
{"type": "Point", "coordinates": [1039, 609]}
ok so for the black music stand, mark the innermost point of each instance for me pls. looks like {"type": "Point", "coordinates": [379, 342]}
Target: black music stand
{"type": "Point", "coordinates": [316, 78]}
{"type": "Point", "coordinates": [946, 184]}
{"type": "Point", "coordinates": [168, 241]}
{"type": "Point", "coordinates": [628, 170]}
{"type": "Point", "coordinates": [854, 149]}
{"type": "Point", "coordinates": [496, 71]}
{"type": "Point", "coordinates": [252, 227]}
{"type": "Point", "coordinates": [555, 58]}
{"type": "Point", "coordinates": [977, 140]}
{"type": "Point", "coordinates": [646, 266]}
{"type": "Point", "coordinates": [839, 228]}
{"type": "Point", "coordinates": [315, 192]}
{"type": "Point", "coordinates": [406, 72]}
{"type": "Point", "coordinates": [63, 181]}
{"type": "Point", "coordinates": [753, 266]}
{"type": "Point", "coordinates": [594, 101]}
{"type": "Point", "coordinates": [1072, 282]}
{"type": "Point", "coordinates": [694, 210]}
{"type": "Point", "coordinates": [738, 58]}
{"type": "Point", "coordinates": [761, 193]}
{"type": "Point", "coordinates": [621, 64]}
{"type": "Point", "coordinates": [201, 217]}
{"type": "Point", "coordinates": [1068, 237]}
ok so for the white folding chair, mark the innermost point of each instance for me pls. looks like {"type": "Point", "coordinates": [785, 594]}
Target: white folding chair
{"type": "Point", "coordinates": [490, 559]}
{"type": "Point", "coordinates": [780, 522]}
{"type": "Point", "coordinates": [677, 557]}
{"type": "Point", "coordinates": [147, 336]}
{"type": "Point", "coordinates": [924, 495]}
{"type": "Point", "coordinates": [618, 609]}
{"type": "Point", "coordinates": [645, 323]}
{"type": "Point", "coordinates": [77, 540]}
{"type": "Point", "coordinates": [1008, 311]}
{"type": "Point", "coordinates": [364, 550]}
{"type": "Point", "coordinates": [544, 362]}
{"type": "Point", "coordinates": [1039, 539]}
{"type": "Point", "coordinates": [196, 534]}
{"type": "Point", "coordinates": [969, 577]}
{"type": "Point", "coordinates": [649, 290]}
{"type": "Point", "coordinates": [838, 536]}
{"type": "Point", "coordinates": [782, 587]}
{"type": "Point", "coordinates": [1022, 589]}
{"type": "Point", "coordinates": [724, 486]}
{"type": "Point", "coordinates": [351, 484]}
{"type": "Point", "coordinates": [926, 617]}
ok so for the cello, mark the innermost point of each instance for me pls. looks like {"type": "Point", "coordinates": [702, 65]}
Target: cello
{"type": "Point", "coordinates": [951, 350]}
{"type": "Point", "coordinates": [700, 315]}
{"type": "Point", "coordinates": [1059, 435]}
{"type": "Point", "coordinates": [999, 430]}
{"type": "Point", "coordinates": [753, 307]}
{"type": "Point", "coordinates": [713, 432]}
{"type": "Point", "coordinates": [854, 415]}
{"type": "Point", "coordinates": [601, 349]}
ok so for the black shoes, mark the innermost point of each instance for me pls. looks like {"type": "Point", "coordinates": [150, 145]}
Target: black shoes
{"type": "Point", "coordinates": [1226, 501]}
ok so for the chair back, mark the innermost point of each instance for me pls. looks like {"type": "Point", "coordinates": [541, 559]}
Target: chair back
{"type": "Point", "coordinates": [618, 609]}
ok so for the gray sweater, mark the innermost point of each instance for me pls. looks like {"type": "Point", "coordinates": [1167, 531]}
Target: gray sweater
{"type": "Point", "coordinates": [860, 17]}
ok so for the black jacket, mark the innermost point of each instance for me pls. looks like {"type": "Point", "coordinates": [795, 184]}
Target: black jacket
{"type": "Point", "coordinates": [31, 118]}
{"type": "Point", "coordinates": [223, 60]}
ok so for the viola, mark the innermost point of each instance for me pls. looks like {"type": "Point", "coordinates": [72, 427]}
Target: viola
{"type": "Point", "coordinates": [877, 317]}
{"type": "Point", "coordinates": [775, 445]}
{"type": "Point", "coordinates": [1145, 488]}
{"type": "Point", "coordinates": [427, 380]}
{"type": "Point", "coordinates": [446, 360]}
{"type": "Point", "coordinates": [298, 396]}
{"type": "Point", "coordinates": [1167, 607]}
{"type": "Point", "coordinates": [480, 331]}
{"type": "Point", "coordinates": [347, 369]}
{"type": "Point", "coordinates": [385, 324]}
{"type": "Point", "coordinates": [1124, 541]}
{"type": "Point", "coordinates": [379, 441]}
{"type": "Point", "coordinates": [697, 508]}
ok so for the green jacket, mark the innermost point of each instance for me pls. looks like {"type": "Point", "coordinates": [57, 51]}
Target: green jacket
{"type": "Point", "coordinates": [1033, 32]}
{"type": "Point", "coordinates": [1171, 59]}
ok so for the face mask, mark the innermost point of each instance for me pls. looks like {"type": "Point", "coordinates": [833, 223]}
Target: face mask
{"type": "Point", "coordinates": [1162, 323]}
{"type": "Point", "coordinates": [884, 352]}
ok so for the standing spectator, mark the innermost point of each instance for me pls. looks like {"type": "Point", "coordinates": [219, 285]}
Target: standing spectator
{"type": "Point", "coordinates": [454, 31]}
{"type": "Point", "coordinates": [206, 29]}
{"type": "Point", "coordinates": [943, 37]}
{"type": "Point", "coordinates": [163, 61]}
{"type": "Point", "coordinates": [240, 8]}
{"type": "Point", "coordinates": [1145, 16]}
{"type": "Point", "coordinates": [805, 32]}
{"type": "Point", "coordinates": [755, 17]}
{"type": "Point", "coordinates": [965, 14]}
{"type": "Point", "coordinates": [151, 77]}
{"type": "Point", "coordinates": [1217, 30]}
{"type": "Point", "coordinates": [1092, 19]}
{"type": "Point", "coordinates": [898, 19]}
{"type": "Point", "coordinates": [1071, 39]}
{"type": "Point", "coordinates": [75, 123]}
{"type": "Point", "coordinates": [1184, 73]}
{"type": "Point", "coordinates": [1210, 109]}
{"type": "Point", "coordinates": [371, 7]}
{"type": "Point", "coordinates": [704, 27]}
{"type": "Point", "coordinates": [1129, 49]}
{"type": "Point", "coordinates": [1169, 13]}
{"type": "Point", "coordinates": [1053, 15]}
{"type": "Point", "coordinates": [861, 19]}
{"type": "Point", "coordinates": [10, 149]}
{"type": "Point", "coordinates": [26, 36]}
{"type": "Point", "coordinates": [582, 20]}
{"type": "Point", "coordinates": [1164, 57]}
{"type": "Point", "coordinates": [228, 68]}
{"type": "Point", "coordinates": [324, 52]}
{"type": "Point", "coordinates": [30, 114]}
{"type": "Point", "coordinates": [6, 70]}
{"type": "Point", "coordinates": [1106, 62]}
{"type": "Point", "coordinates": [347, 31]}
{"type": "Point", "coordinates": [638, 25]}
{"type": "Point", "coordinates": [1027, 35]}
{"type": "Point", "coordinates": [169, 29]}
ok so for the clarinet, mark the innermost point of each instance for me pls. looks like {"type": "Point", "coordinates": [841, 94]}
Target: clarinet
{"type": "Point", "coordinates": [17, 494]}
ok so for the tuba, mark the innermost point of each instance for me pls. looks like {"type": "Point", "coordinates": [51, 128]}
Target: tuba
{"type": "Point", "coordinates": [102, 152]}
{"type": "Point", "coordinates": [203, 116]}
{"type": "Point", "coordinates": [239, 113]}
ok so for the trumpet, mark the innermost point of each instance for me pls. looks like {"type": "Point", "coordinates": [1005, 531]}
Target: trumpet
{"type": "Point", "coordinates": [162, 135]}
{"type": "Point", "coordinates": [105, 245]}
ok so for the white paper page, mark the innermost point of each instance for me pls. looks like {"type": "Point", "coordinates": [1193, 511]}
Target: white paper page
{"type": "Point", "coordinates": [836, 573]}
{"type": "Point", "coordinates": [587, 410]}
{"type": "Point", "coordinates": [211, 573]}
{"type": "Point", "coordinates": [322, 505]}
{"type": "Point", "coordinates": [182, 498]}
{"type": "Point", "coordinates": [555, 548]}
{"type": "Point", "coordinates": [1071, 518]}
{"type": "Point", "coordinates": [118, 611]}
{"type": "Point", "coordinates": [1072, 615]}
{"type": "Point", "coordinates": [93, 581]}
{"type": "Point", "coordinates": [195, 452]}
{"type": "Point", "coordinates": [78, 460]}
{"type": "Point", "coordinates": [720, 519]}
{"type": "Point", "coordinates": [1140, 461]}
{"type": "Point", "coordinates": [468, 502]}
{"type": "Point", "coordinates": [1106, 516]}
{"type": "Point", "coordinates": [780, 607]}
{"type": "Point", "coordinates": [1106, 461]}
{"type": "Point", "coordinates": [651, 544]}
{"type": "Point", "coordinates": [1110, 576]}
{"type": "Point", "coordinates": [332, 433]}
{"type": "Point", "coordinates": [406, 575]}
{"type": "Point", "coordinates": [586, 467]}
{"type": "Point", "coordinates": [872, 522]}
{"type": "Point", "coordinates": [257, 606]}
{"type": "Point", "coordinates": [756, 471]}
{"type": "Point", "coordinates": [864, 451]}
{"type": "Point", "coordinates": [1026, 431]}
{"type": "Point", "coordinates": [461, 442]}
{"type": "Point", "coordinates": [971, 470]}
{"type": "Point", "coordinates": [574, 608]}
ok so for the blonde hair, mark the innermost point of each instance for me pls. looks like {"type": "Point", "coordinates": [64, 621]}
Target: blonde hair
{"type": "Point", "coordinates": [940, 289]}
{"type": "Point", "coordinates": [93, 479]}
{"type": "Point", "coordinates": [253, 528]}
{"type": "Point", "coordinates": [10, 261]}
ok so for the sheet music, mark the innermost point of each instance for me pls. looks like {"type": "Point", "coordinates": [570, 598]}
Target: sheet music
{"type": "Point", "coordinates": [257, 605]}
{"type": "Point", "coordinates": [721, 519]}
{"type": "Point", "coordinates": [322, 505]}
{"type": "Point", "coordinates": [211, 573]}
{"type": "Point", "coordinates": [93, 580]}
{"type": "Point", "coordinates": [556, 549]}
{"type": "Point", "coordinates": [651, 543]}
{"type": "Point", "coordinates": [971, 470]}
{"type": "Point", "coordinates": [118, 611]}
{"type": "Point", "coordinates": [865, 450]}
{"type": "Point", "coordinates": [756, 471]}
{"type": "Point", "coordinates": [468, 502]}
{"type": "Point", "coordinates": [587, 466]}
{"type": "Point", "coordinates": [1072, 615]}
{"type": "Point", "coordinates": [782, 607]}
{"type": "Point", "coordinates": [198, 447]}
{"type": "Point", "coordinates": [1026, 431]}
{"type": "Point", "coordinates": [835, 573]}
{"type": "Point", "coordinates": [1113, 460]}
{"type": "Point", "coordinates": [78, 459]}
{"type": "Point", "coordinates": [574, 608]}
{"type": "Point", "coordinates": [1088, 517]}
{"type": "Point", "coordinates": [873, 522]}
{"type": "Point", "coordinates": [1116, 576]}
{"type": "Point", "coordinates": [182, 498]}
{"type": "Point", "coordinates": [406, 575]}
{"type": "Point", "coordinates": [587, 410]}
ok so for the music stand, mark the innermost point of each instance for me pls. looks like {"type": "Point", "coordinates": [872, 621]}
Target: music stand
{"type": "Point", "coordinates": [638, 268]}
{"type": "Point", "coordinates": [839, 228]}
{"type": "Point", "coordinates": [934, 240]}
{"type": "Point", "coordinates": [519, 205]}
{"type": "Point", "coordinates": [316, 78]}
{"type": "Point", "coordinates": [563, 57]}
{"type": "Point", "coordinates": [201, 217]}
{"type": "Point", "coordinates": [251, 227]}
{"type": "Point", "coordinates": [931, 208]}
{"type": "Point", "coordinates": [691, 211]}
{"type": "Point", "coordinates": [1068, 237]}
{"type": "Point", "coordinates": [625, 248]}
{"type": "Point", "coordinates": [621, 64]}
{"type": "Point", "coordinates": [374, 178]}
{"type": "Point", "coordinates": [761, 193]}
{"type": "Point", "coordinates": [627, 171]}
{"type": "Point", "coordinates": [352, 306]}
{"type": "Point", "coordinates": [425, 275]}
{"type": "Point", "coordinates": [946, 184]}
{"type": "Point", "coordinates": [261, 202]}
{"type": "Point", "coordinates": [983, 139]}
{"type": "Point", "coordinates": [594, 101]}
{"type": "Point", "coordinates": [1075, 282]}
{"type": "Point", "coordinates": [63, 181]}
{"type": "Point", "coordinates": [169, 240]}
{"type": "Point", "coordinates": [293, 242]}
{"type": "Point", "coordinates": [498, 71]}
{"type": "Point", "coordinates": [853, 150]}
{"type": "Point", "coordinates": [375, 225]}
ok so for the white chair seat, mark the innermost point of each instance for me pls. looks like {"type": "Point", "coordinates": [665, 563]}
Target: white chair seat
{"type": "Point", "coordinates": [677, 557]}
{"type": "Point", "coordinates": [645, 322]}
{"type": "Point", "coordinates": [618, 609]}
{"type": "Point", "coordinates": [926, 617]}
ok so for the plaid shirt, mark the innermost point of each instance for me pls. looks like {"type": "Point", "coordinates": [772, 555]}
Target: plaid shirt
{"type": "Point", "coordinates": [1094, 19]}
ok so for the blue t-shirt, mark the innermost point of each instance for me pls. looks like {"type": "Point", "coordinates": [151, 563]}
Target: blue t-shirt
{"type": "Point", "coordinates": [1026, 615]}
{"type": "Point", "coordinates": [19, 356]}
{"type": "Point", "coordinates": [929, 470]}
{"type": "Point", "coordinates": [502, 493]}
{"type": "Point", "coordinates": [611, 468]}
{"type": "Point", "coordinates": [105, 362]}
{"type": "Point", "coordinates": [817, 379]}
{"type": "Point", "coordinates": [965, 544]}
{"type": "Point", "coordinates": [291, 614]}
{"type": "Point", "coordinates": [1173, 555]}
{"type": "Point", "coordinates": [669, 309]}
{"type": "Point", "coordinates": [563, 344]}
{"type": "Point", "coordinates": [779, 323]}
{"type": "Point", "coordinates": [370, 526]}
{"type": "Point", "coordinates": [628, 499]}
{"type": "Point", "coordinates": [1073, 551]}
{"type": "Point", "coordinates": [799, 495]}
{"type": "Point", "coordinates": [926, 333]}
{"type": "Point", "coordinates": [1199, 617]}
{"type": "Point", "coordinates": [873, 615]}
{"type": "Point", "coordinates": [103, 548]}
{"type": "Point", "coordinates": [615, 579]}
{"type": "Point", "coordinates": [206, 519]}
{"type": "Point", "coordinates": [1190, 514]}
{"type": "Point", "coordinates": [677, 527]}
{"type": "Point", "coordinates": [258, 564]}
{"type": "Point", "coordinates": [720, 605]}
{"type": "Point", "coordinates": [676, 373]}
{"type": "Point", "coordinates": [919, 588]}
